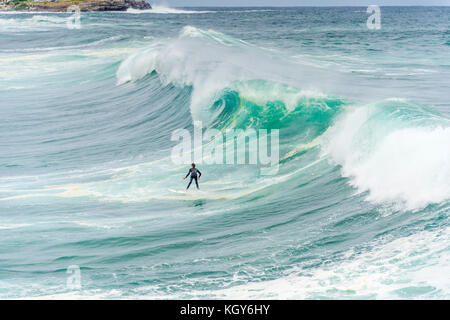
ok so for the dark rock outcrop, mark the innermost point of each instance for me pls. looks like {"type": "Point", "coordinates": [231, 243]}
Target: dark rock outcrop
{"type": "Point", "coordinates": [141, 5]}
{"type": "Point", "coordinates": [84, 5]}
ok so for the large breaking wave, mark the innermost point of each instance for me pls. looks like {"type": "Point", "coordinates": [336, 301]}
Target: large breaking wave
{"type": "Point", "coordinates": [395, 149]}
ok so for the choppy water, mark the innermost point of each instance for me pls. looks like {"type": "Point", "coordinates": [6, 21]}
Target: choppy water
{"type": "Point", "coordinates": [359, 208]}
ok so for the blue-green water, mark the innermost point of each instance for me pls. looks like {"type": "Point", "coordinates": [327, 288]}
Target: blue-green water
{"type": "Point", "coordinates": [360, 205]}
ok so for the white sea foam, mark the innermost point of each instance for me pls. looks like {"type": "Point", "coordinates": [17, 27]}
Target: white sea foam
{"type": "Point", "coordinates": [13, 226]}
{"type": "Point", "coordinates": [33, 23]}
{"type": "Point", "coordinates": [401, 268]}
{"type": "Point", "coordinates": [407, 166]}
{"type": "Point", "coordinates": [404, 268]}
{"type": "Point", "coordinates": [159, 9]}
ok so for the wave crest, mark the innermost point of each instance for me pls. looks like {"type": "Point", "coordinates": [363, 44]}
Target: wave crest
{"type": "Point", "coordinates": [396, 151]}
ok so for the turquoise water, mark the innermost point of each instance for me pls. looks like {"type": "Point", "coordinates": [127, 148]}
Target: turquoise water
{"type": "Point", "coordinates": [359, 207]}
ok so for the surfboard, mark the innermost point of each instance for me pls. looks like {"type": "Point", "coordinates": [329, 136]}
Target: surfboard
{"type": "Point", "coordinates": [189, 191]}
{"type": "Point", "coordinates": [178, 191]}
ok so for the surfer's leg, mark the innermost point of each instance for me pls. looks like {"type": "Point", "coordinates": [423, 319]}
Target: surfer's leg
{"type": "Point", "coordinates": [196, 182]}
{"type": "Point", "coordinates": [189, 183]}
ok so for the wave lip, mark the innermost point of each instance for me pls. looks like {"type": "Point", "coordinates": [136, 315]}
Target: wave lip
{"type": "Point", "coordinates": [209, 61]}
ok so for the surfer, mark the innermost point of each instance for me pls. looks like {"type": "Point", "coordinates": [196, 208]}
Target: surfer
{"type": "Point", "coordinates": [193, 172]}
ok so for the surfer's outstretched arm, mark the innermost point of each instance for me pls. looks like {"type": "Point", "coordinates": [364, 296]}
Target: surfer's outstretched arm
{"type": "Point", "coordinates": [188, 173]}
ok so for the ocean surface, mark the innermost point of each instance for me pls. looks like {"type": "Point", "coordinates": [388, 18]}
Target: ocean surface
{"type": "Point", "coordinates": [359, 208]}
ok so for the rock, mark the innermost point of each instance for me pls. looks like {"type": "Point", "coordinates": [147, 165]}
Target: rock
{"type": "Point", "coordinates": [4, 7]}
{"type": "Point", "coordinates": [84, 5]}
{"type": "Point", "coordinates": [141, 5]}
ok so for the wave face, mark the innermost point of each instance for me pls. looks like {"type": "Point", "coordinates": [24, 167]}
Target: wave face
{"type": "Point", "coordinates": [359, 207]}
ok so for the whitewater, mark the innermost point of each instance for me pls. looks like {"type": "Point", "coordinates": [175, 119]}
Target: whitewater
{"type": "Point", "coordinates": [359, 207]}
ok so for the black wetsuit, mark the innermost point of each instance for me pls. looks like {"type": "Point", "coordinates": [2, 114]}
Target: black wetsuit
{"type": "Point", "coordinates": [193, 172]}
